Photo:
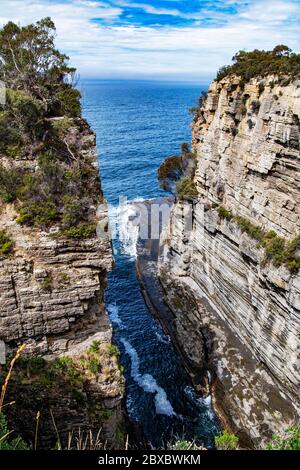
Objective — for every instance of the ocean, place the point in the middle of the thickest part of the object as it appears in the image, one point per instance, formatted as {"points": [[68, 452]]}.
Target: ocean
{"points": [[139, 124]]}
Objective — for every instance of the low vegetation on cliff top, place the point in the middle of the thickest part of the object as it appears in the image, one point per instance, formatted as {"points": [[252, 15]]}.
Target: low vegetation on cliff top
{"points": [[42, 136], [281, 62], [278, 250]]}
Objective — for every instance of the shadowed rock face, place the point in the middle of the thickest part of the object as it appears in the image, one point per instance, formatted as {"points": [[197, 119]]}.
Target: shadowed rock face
{"points": [[247, 146], [52, 299]]}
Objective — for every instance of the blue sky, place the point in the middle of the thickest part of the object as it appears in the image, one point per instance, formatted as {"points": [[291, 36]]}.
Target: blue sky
{"points": [[160, 39]]}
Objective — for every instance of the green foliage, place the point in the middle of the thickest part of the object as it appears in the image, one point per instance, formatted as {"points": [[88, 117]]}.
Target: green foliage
{"points": [[66, 367], [62, 125], [35, 125], [252, 230], [113, 350], [6, 440], [80, 231], [74, 209], [186, 188], [224, 213], [31, 62], [10, 180], [175, 168], [282, 252], [182, 444], [281, 62], [170, 171], [68, 102], [278, 250], [6, 243], [290, 440], [47, 283], [226, 441], [37, 213], [95, 347]]}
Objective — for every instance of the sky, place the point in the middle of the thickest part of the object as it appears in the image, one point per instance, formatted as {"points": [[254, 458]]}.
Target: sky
{"points": [[160, 39]]}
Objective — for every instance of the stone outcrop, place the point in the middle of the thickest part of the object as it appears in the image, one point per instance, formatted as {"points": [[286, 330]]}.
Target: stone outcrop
{"points": [[216, 281], [52, 299]]}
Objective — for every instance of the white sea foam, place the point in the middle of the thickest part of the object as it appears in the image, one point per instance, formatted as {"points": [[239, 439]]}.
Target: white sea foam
{"points": [[147, 382], [125, 223], [114, 315], [162, 337], [200, 401]]}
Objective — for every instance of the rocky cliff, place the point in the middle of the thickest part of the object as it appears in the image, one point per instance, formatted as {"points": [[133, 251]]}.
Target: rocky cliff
{"points": [[230, 257], [52, 299]]}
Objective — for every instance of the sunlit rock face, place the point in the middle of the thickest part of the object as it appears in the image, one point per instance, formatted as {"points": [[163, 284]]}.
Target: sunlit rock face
{"points": [[52, 300], [247, 144]]}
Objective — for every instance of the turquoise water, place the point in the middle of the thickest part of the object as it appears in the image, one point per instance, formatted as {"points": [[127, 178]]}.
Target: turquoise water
{"points": [[138, 124]]}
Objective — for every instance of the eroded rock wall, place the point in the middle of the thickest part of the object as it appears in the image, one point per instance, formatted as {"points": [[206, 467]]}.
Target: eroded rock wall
{"points": [[247, 145], [52, 299]]}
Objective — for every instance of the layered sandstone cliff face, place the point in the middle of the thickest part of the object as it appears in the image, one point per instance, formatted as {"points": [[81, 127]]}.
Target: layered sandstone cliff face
{"points": [[243, 313], [52, 299]]}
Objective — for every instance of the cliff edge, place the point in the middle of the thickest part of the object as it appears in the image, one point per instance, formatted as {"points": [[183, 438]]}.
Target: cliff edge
{"points": [[230, 255], [55, 252]]}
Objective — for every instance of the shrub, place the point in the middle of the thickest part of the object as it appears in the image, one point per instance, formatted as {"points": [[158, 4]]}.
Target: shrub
{"points": [[6, 243], [68, 102], [252, 230], [290, 440], [182, 444], [170, 171], [10, 181], [224, 213], [73, 210], [37, 213], [93, 364], [46, 283], [113, 350], [226, 441], [186, 188], [95, 347], [80, 231], [278, 250], [6, 442], [67, 368], [281, 61], [293, 266], [40, 88], [275, 249]]}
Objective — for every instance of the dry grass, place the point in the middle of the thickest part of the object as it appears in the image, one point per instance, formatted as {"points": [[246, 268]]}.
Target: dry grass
{"points": [[8, 376], [85, 440]]}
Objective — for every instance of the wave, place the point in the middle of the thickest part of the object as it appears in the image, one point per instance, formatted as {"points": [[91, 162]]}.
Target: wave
{"points": [[200, 402], [161, 336], [114, 315], [125, 225], [148, 383]]}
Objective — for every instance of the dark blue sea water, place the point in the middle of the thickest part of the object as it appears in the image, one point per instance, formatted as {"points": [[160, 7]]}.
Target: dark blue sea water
{"points": [[138, 124]]}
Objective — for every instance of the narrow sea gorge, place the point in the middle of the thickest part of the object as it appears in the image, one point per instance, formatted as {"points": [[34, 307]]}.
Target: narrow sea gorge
{"points": [[137, 125]]}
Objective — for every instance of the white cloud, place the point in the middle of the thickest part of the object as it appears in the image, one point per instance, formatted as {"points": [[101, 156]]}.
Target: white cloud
{"points": [[171, 52]]}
